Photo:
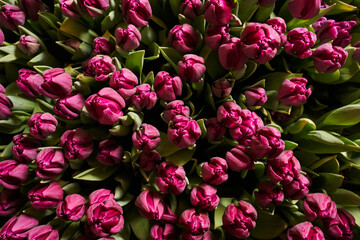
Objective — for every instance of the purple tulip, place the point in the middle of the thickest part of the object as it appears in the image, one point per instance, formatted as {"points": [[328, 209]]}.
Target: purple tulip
{"points": [[298, 188], [164, 232], [124, 81], [45, 196], [25, 148], [73, 43], [149, 161], [10, 202], [191, 8], [42, 125], [136, 12], [72, 208], [2, 37], [68, 9], [229, 114], [28, 45], [279, 25], [216, 36], [174, 108], [239, 220], [328, 58], [150, 204], [191, 68], [304, 9], [110, 152], [94, 8], [144, 97], [171, 178], [70, 107], [99, 67], [316, 25], [341, 227], [5, 105], [77, 144], [31, 8], [221, 88], [100, 196], [268, 194], [231, 54], [147, 138], [283, 168], [18, 227], [183, 132], [204, 197], [293, 92], [183, 38], [338, 32], [214, 171], [255, 96], [299, 42], [218, 12], [29, 82], [13, 174], [240, 158], [267, 142], [214, 130], [194, 223], [102, 46], [128, 38], [50, 163], [166, 87], [43, 232], [57, 83], [305, 230], [11, 17], [319, 205]]}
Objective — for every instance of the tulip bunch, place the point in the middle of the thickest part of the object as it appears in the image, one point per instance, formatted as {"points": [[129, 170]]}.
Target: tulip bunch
{"points": [[184, 119]]}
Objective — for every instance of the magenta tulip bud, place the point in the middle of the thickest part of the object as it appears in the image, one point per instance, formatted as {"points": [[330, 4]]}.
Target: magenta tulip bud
{"points": [[100, 196], [194, 223], [299, 42], [13, 174], [147, 138], [255, 96], [5, 106], [94, 8], [319, 205], [215, 131], [43, 232], [263, 3], [204, 197], [105, 106], [124, 81], [183, 38], [174, 108], [72, 208], [171, 178], [191, 8], [102, 46], [268, 194], [149, 161], [338, 32], [298, 188], [240, 219], [2, 37], [99, 67], [328, 58], [293, 92], [136, 12], [267, 142], [221, 88], [143, 97], [183, 132], [73, 43], [191, 68], [166, 87], [57, 83], [214, 171], [316, 25], [18, 227], [218, 12], [343, 37], [150, 204], [216, 36], [70, 107], [42, 125], [240, 158], [304, 9], [305, 230], [105, 218], [260, 42], [68, 9], [230, 114], [50, 163], [129, 38], [45, 196], [28, 45], [31, 8], [29, 82], [110, 152], [231, 55], [341, 227], [25, 148], [279, 25], [164, 232], [11, 17], [77, 144], [10, 202]]}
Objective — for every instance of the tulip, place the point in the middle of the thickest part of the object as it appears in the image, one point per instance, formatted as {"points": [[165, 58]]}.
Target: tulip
{"points": [[129, 38], [338, 32], [221, 88], [45, 196], [191, 68], [164, 232], [100, 196], [10, 202], [28, 45], [216, 36], [298, 188], [183, 38], [316, 25], [304, 9], [319, 205], [68, 9], [144, 97], [124, 81], [279, 25], [305, 230], [230, 114], [147, 138], [214, 171], [43, 232], [25, 148], [191, 8], [13, 174], [341, 227], [18, 227], [42, 125], [70, 107], [293, 92], [255, 96], [77, 144], [204, 197], [29, 82], [195, 223], [240, 158], [99, 67], [218, 12], [31, 8], [283, 168], [136, 12], [267, 142], [268, 194], [231, 54], [102, 46], [166, 87], [57, 83], [11, 17], [94, 8], [149, 161], [5, 106], [110, 152], [171, 178], [2, 37], [72, 208], [150, 204], [299, 42], [328, 58], [50, 163], [183, 132], [174, 108], [214, 130]]}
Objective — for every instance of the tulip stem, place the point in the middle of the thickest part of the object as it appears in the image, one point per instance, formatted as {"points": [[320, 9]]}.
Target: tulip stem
{"points": [[53, 147]]}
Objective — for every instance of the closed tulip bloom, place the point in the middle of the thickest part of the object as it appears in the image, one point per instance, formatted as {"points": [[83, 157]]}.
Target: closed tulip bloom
{"points": [[149, 161], [298, 188], [105, 106], [240, 158], [50, 163], [231, 55], [147, 138], [218, 12], [25, 148], [18, 227], [150, 204], [70, 107], [284, 168], [164, 232], [110, 152], [68, 9], [191, 8], [216, 36], [45, 196], [144, 97], [255, 96], [305, 231], [2, 37], [11, 17], [72, 208], [166, 87], [239, 220], [10, 202], [42, 125], [328, 58], [299, 42], [214, 171], [319, 205], [341, 227], [136, 12], [183, 38], [214, 130], [316, 25], [94, 8], [174, 108], [57, 83], [191, 68], [102, 46], [99, 67], [304, 9], [13, 174], [268, 194], [267, 142], [31, 8], [221, 88], [28, 45], [29, 82], [43, 232], [279, 25], [338, 32], [100, 195], [195, 223], [73, 43], [171, 178], [293, 92], [230, 114], [204, 197], [128, 38], [77, 144], [124, 81], [5, 106], [183, 132]]}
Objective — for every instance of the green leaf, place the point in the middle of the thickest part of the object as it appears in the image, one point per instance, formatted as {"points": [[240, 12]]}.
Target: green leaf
{"points": [[41, 68], [166, 148], [125, 199], [345, 116], [83, 52], [268, 226], [219, 212], [213, 66], [45, 58], [341, 8], [49, 19], [345, 198], [74, 28], [22, 103], [302, 125], [199, 23], [135, 62], [148, 35], [246, 9], [289, 145], [175, 6], [15, 124], [328, 181], [209, 96], [355, 212], [263, 13], [350, 68], [7, 152], [110, 21], [96, 174], [70, 231], [171, 55], [274, 80], [139, 224], [181, 157]]}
